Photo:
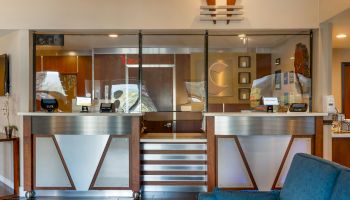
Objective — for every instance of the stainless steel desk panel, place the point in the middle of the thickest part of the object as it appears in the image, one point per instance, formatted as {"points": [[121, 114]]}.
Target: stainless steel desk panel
{"points": [[82, 125], [228, 125]]}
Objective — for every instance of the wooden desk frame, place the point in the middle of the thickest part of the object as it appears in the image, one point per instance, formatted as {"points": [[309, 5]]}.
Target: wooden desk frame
{"points": [[15, 156]]}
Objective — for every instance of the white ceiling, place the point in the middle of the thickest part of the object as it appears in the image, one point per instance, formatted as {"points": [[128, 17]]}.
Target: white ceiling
{"points": [[341, 25]]}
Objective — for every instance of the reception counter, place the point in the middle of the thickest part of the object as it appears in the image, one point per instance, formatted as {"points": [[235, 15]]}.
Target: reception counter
{"points": [[341, 144], [102, 153], [81, 152], [254, 150]]}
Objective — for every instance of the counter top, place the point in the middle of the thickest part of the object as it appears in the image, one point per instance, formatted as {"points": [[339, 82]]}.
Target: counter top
{"points": [[62, 114], [263, 114], [340, 135]]}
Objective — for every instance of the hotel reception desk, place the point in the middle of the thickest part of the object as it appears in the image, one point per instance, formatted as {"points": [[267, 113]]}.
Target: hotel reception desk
{"points": [[255, 150], [81, 152], [101, 154]]}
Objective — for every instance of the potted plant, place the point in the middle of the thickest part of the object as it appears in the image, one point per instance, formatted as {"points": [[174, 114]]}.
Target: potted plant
{"points": [[9, 129]]}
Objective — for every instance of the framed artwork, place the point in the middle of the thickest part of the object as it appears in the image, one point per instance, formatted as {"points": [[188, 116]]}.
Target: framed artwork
{"points": [[278, 61], [278, 79], [244, 77], [285, 78], [244, 61], [291, 77], [244, 93]]}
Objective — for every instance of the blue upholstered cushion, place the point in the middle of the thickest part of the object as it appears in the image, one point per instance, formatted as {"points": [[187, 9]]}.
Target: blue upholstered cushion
{"points": [[237, 195], [310, 178], [341, 190], [206, 196]]}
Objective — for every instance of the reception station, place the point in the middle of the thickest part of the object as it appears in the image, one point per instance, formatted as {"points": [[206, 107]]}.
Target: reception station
{"points": [[222, 117], [120, 99]]}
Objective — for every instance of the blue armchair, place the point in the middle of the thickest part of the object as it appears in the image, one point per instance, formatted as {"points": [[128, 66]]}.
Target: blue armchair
{"points": [[309, 178]]}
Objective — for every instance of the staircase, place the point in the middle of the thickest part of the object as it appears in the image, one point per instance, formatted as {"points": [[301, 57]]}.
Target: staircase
{"points": [[174, 166]]}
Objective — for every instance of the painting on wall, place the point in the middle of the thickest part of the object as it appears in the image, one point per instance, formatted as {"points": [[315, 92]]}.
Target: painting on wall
{"points": [[285, 78], [291, 77], [286, 98], [244, 77], [278, 80], [244, 93], [244, 61]]}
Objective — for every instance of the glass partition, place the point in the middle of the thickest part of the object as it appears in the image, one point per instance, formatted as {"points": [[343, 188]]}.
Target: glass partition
{"points": [[116, 75], [243, 69], [93, 66], [173, 72]]}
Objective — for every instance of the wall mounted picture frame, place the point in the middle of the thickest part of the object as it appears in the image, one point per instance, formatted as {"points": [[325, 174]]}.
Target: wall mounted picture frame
{"points": [[285, 78], [244, 78], [278, 61], [243, 61], [244, 94], [278, 79], [291, 77]]}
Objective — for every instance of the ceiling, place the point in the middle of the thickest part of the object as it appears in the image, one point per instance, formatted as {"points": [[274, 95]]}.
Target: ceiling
{"points": [[341, 25]]}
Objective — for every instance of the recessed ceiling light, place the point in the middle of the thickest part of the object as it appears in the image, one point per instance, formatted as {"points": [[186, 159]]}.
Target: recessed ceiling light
{"points": [[113, 35], [72, 53], [242, 36], [341, 36]]}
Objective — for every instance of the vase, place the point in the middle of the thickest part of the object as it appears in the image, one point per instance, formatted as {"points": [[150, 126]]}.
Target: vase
{"points": [[8, 131]]}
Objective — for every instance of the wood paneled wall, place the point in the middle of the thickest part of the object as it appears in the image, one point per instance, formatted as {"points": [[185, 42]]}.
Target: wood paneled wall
{"points": [[263, 65]]}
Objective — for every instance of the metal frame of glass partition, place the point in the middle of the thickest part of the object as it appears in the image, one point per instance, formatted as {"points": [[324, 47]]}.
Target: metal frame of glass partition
{"points": [[206, 46]]}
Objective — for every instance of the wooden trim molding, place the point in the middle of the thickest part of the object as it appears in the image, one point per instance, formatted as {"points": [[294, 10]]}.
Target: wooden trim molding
{"points": [[15, 165], [211, 154], [27, 154], [319, 137], [62, 161], [135, 154], [283, 162], [246, 164], [285, 156], [109, 141], [102, 159]]}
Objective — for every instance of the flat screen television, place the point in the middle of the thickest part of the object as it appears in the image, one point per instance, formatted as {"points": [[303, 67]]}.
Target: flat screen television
{"points": [[4, 75]]}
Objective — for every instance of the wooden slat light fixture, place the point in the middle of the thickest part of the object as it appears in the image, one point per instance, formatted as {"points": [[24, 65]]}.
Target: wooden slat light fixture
{"points": [[228, 12]]}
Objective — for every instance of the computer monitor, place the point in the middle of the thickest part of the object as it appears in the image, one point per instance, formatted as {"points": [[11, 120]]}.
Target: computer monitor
{"points": [[84, 102]]}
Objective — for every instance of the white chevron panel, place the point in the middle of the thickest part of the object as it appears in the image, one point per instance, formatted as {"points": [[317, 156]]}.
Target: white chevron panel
{"points": [[114, 171], [231, 169], [264, 155], [50, 171], [82, 154], [300, 145]]}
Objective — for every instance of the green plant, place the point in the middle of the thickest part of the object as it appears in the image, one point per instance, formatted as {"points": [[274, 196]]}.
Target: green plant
{"points": [[6, 112]]}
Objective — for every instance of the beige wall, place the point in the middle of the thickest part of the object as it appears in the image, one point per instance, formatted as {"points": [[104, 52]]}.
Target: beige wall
{"points": [[330, 8], [16, 45], [339, 56], [151, 14]]}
